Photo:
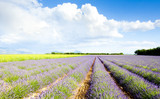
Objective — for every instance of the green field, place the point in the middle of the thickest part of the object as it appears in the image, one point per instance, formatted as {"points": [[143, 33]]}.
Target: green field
{"points": [[22, 57]]}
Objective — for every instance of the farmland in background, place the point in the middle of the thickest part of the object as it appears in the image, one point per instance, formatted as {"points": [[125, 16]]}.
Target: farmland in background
{"points": [[85, 77], [22, 57]]}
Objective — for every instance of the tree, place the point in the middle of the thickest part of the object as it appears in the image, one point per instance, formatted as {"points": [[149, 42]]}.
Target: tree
{"points": [[153, 51]]}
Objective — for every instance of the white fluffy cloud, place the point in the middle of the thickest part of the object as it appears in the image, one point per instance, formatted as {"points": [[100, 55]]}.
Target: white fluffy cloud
{"points": [[28, 20], [111, 46], [137, 25]]}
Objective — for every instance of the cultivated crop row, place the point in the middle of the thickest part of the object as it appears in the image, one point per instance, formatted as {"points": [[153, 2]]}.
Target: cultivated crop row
{"points": [[148, 74], [103, 77], [147, 62], [102, 85], [21, 78], [137, 86], [65, 88], [22, 57]]}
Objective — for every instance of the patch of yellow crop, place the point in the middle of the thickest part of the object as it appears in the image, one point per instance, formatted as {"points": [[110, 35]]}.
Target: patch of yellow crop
{"points": [[22, 57]]}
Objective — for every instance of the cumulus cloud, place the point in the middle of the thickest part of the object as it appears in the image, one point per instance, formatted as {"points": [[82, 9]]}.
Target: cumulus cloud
{"points": [[157, 23], [28, 21], [137, 25], [111, 46]]}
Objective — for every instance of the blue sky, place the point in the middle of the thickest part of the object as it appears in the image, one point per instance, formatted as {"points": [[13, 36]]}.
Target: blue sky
{"points": [[43, 26], [130, 10]]}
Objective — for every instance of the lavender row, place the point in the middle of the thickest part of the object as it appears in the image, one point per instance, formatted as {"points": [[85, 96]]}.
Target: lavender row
{"points": [[33, 67], [149, 75], [64, 89], [146, 62], [102, 84], [34, 82], [138, 87], [28, 84]]}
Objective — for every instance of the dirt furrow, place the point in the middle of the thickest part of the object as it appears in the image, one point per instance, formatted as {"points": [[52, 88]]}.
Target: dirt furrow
{"points": [[80, 92], [36, 94], [125, 93]]}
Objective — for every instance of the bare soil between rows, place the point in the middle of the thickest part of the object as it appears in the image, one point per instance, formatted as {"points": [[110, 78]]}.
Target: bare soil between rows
{"points": [[80, 92], [124, 92], [36, 94]]}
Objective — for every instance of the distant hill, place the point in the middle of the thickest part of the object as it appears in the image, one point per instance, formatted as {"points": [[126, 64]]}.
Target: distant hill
{"points": [[76, 51]]}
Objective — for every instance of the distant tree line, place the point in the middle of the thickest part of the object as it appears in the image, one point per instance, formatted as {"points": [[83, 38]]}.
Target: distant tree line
{"points": [[105, 53], [71, 53], [153, 51]]}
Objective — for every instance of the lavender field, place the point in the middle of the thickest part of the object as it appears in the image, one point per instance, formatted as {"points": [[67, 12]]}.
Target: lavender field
{"points": [[84, 77]]}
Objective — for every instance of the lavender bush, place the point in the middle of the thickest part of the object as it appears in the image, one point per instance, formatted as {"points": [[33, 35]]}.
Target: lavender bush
{"points": [[148, 74], [28, 76], [102, 84], [138, 87], [146, 62], [65, 87]]}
